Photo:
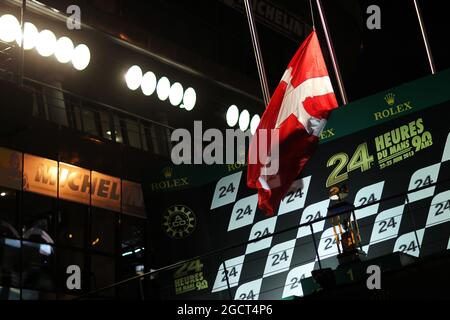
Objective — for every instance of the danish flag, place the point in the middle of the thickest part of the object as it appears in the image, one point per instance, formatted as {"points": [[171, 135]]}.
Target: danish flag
{"points": [[298, 112]]}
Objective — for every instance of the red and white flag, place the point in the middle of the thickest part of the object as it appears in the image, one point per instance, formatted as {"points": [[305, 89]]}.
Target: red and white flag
{"points": [[298, 112]]}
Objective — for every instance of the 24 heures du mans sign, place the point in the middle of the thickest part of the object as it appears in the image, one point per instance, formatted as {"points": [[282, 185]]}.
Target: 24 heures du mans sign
{"points": [[387, 144]]}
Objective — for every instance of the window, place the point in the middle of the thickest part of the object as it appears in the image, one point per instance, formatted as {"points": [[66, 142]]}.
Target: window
{"points": [[9, 239], [9, 293], [9, 205], [132, 246], [38, 218], [72, 224], [89, 122], [102, 274], [103, 230], [133, 134], [38, 266], [132, 259]]}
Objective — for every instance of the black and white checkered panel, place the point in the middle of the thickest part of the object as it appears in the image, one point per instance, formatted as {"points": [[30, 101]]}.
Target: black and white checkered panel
{"points": [[273, 268]]}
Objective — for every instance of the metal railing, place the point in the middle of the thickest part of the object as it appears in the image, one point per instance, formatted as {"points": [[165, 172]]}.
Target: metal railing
{"points": [[95, 118], [150, 278], [99, 119]]}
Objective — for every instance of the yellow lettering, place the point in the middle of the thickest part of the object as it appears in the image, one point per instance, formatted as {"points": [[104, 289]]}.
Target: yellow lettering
{"points": [[420, 127], [378, 116], [379, 143]]}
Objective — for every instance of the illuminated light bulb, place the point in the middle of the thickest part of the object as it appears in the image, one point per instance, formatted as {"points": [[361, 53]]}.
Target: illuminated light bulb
{"points": [[81, 57], [189, 99], [64, 50], [46, 43], [163, 89], [31, 36], [9, 28], [134, 77], [148, 83], [254, 124], [232, 116], [244, 120], [176, 94]]}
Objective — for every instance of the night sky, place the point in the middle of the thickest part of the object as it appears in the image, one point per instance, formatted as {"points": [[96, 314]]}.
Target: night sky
{"points": [[371, 60]]}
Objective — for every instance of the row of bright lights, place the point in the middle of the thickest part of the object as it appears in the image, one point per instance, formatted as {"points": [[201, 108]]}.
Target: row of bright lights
{"points": [[64, 50], [132, 251], [45, 42], [233, 118], [148, 83]]}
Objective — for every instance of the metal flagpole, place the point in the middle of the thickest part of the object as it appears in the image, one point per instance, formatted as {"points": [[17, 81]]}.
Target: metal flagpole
{"points": [[257, 50], [332, 53], [425, 37], [22, 43]]}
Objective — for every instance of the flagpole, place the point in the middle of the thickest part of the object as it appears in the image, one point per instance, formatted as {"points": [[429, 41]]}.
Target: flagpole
{"points": [[332, 53], [425, 37], [257, 50]]}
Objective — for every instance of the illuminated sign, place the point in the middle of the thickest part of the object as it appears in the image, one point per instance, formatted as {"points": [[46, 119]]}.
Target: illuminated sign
{"points": [[274, 17], [40, 175], [105, 191], [10, 169]]}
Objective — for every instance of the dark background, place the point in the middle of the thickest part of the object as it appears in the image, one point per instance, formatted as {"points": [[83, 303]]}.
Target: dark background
{"points": [[371, 60]]}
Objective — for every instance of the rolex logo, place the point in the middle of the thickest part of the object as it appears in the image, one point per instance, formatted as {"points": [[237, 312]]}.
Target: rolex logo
{"points": [[390, 99], [168, 172]]}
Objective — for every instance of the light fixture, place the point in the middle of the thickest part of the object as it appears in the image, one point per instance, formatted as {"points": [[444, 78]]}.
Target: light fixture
{"points": [[254, 123], [134, 77], [148, 84], [9, 28], [127, 253], [64, 50], [31, 36], [46, 43], [189, 99], [232, 115], [39, 3], [244, 120], [163, 89], [3, 194], [176, 94], [81, 57]]}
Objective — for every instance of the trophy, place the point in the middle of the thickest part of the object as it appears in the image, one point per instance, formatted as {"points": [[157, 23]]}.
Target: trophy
{"points": [[345, 226]]}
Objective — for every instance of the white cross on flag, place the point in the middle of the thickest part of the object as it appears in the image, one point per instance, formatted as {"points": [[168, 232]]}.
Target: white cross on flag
{"points": [[298, 111]]}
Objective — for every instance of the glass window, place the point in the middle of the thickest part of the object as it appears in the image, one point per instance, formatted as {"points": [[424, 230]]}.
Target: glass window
{"points": [[37, 295], [152, 142], [103, 230], [73, 113], [9, 204], [9, 240], [9, 293], [38, 218], [89, 123], [72, 224], [132, 257], [133, 231], [38, 266], [102, 274], [132, 246], [133, 134]]}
